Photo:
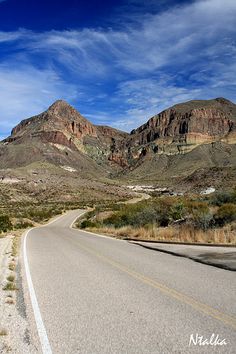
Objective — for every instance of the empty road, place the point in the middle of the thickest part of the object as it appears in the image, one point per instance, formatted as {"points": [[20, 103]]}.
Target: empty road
{"points": [[95, 294]]}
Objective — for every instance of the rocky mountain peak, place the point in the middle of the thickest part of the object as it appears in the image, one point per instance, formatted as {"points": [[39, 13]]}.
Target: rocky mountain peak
{"points": [[61, 105], [223, 101], [63, 110]]}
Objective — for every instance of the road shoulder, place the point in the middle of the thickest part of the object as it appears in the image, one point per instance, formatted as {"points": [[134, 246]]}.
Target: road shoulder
{"points": [[15, 329], [221, 257]]}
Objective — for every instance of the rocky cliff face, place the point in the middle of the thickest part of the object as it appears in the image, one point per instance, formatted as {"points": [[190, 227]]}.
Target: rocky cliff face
{"points": [[62, 126], [180, 129], [59, 117]]}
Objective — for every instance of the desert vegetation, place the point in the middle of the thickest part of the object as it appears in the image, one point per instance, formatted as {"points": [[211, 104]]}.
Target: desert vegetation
{"points": [[17, 216], [208, 219], [5, 223]]}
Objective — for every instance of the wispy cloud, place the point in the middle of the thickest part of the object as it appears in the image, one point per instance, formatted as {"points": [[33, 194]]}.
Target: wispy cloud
{"points": [[13, 36], [26, 91], [123, 76]]}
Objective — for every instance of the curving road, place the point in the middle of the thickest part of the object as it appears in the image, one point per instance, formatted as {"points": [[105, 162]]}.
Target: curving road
{"points": [[94, 294]]}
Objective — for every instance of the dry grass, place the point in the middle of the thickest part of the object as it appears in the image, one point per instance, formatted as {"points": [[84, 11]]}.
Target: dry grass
{"points": [[9, 301], [11, 278], [12, 266], [189, 234], [174, 234], [15, 246], [3, 332], [10, 286]]}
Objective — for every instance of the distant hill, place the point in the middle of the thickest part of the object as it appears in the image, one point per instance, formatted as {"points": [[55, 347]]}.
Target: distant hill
{"points": [[189, 139]]}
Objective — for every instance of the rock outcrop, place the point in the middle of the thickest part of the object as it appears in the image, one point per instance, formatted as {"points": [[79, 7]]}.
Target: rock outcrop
{"points": [[63, 126], [180, 129]]}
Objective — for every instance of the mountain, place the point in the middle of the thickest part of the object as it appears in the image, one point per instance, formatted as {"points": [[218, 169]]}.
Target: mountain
{"points": [[178, 147], [60, 135], [180, 129]]}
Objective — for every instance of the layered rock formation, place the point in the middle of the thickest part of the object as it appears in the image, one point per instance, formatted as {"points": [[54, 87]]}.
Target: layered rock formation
{"points": [[180, 129], [61, 117], [63, 126]]}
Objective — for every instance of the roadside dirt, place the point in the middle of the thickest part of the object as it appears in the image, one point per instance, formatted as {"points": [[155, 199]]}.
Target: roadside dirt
{"points": [[14, 328]]}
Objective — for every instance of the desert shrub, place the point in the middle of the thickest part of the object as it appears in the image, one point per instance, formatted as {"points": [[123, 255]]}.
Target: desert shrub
{"points": [[200, 215], [22, 224], [146, 216], [88, 223], [170, 209], [225, 214], [118, 219], [221, 198], [178, 211], [5, 223], [42, 214], [158, 211], [130, 214], [163, 208]]}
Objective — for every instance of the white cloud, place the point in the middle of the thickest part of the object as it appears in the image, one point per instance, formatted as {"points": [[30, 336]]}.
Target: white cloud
{"points": [[186, 52], [26, 91], [178, 37]]}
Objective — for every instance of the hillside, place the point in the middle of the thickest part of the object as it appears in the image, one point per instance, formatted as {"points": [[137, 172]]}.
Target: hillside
{"points": [[182, 128], [173, 149], [61, 136]]}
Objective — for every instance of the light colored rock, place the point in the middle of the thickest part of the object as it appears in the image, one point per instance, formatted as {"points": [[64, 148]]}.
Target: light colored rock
{"points": [[208, 190], [69, 169]]}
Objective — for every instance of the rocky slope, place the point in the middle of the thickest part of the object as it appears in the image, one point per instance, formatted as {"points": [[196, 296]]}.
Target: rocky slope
{"points": [[180, 129], [171, 146], [60, 135]]}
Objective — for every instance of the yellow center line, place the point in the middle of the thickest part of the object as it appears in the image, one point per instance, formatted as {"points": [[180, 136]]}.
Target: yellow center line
{"points": [[199, 306]]}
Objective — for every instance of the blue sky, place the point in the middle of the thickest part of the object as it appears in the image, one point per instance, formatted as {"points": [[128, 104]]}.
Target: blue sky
{"points": [[118, 62]]}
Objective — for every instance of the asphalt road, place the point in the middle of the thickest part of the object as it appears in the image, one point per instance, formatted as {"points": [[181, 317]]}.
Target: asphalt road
{"points": [[101, 295]]}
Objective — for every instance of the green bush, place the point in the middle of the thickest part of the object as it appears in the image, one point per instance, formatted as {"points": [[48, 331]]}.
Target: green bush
{"points": [[225, 214], [88, 223], [200, 215], [177, 211], [162, 211], [42, 213], [130, 214], [5, 223], [22, 224], [157, 211], [221, 198]]}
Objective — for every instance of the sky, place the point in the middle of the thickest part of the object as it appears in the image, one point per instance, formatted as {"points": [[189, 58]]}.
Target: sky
{"points": [[118, 62]]}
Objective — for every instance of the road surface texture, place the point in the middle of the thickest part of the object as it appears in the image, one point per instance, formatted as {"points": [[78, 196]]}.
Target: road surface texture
{"points": [[101, 295]]}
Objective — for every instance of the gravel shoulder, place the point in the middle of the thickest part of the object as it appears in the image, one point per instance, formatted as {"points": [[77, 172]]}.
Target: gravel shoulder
{"points": [[15, 332]]}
